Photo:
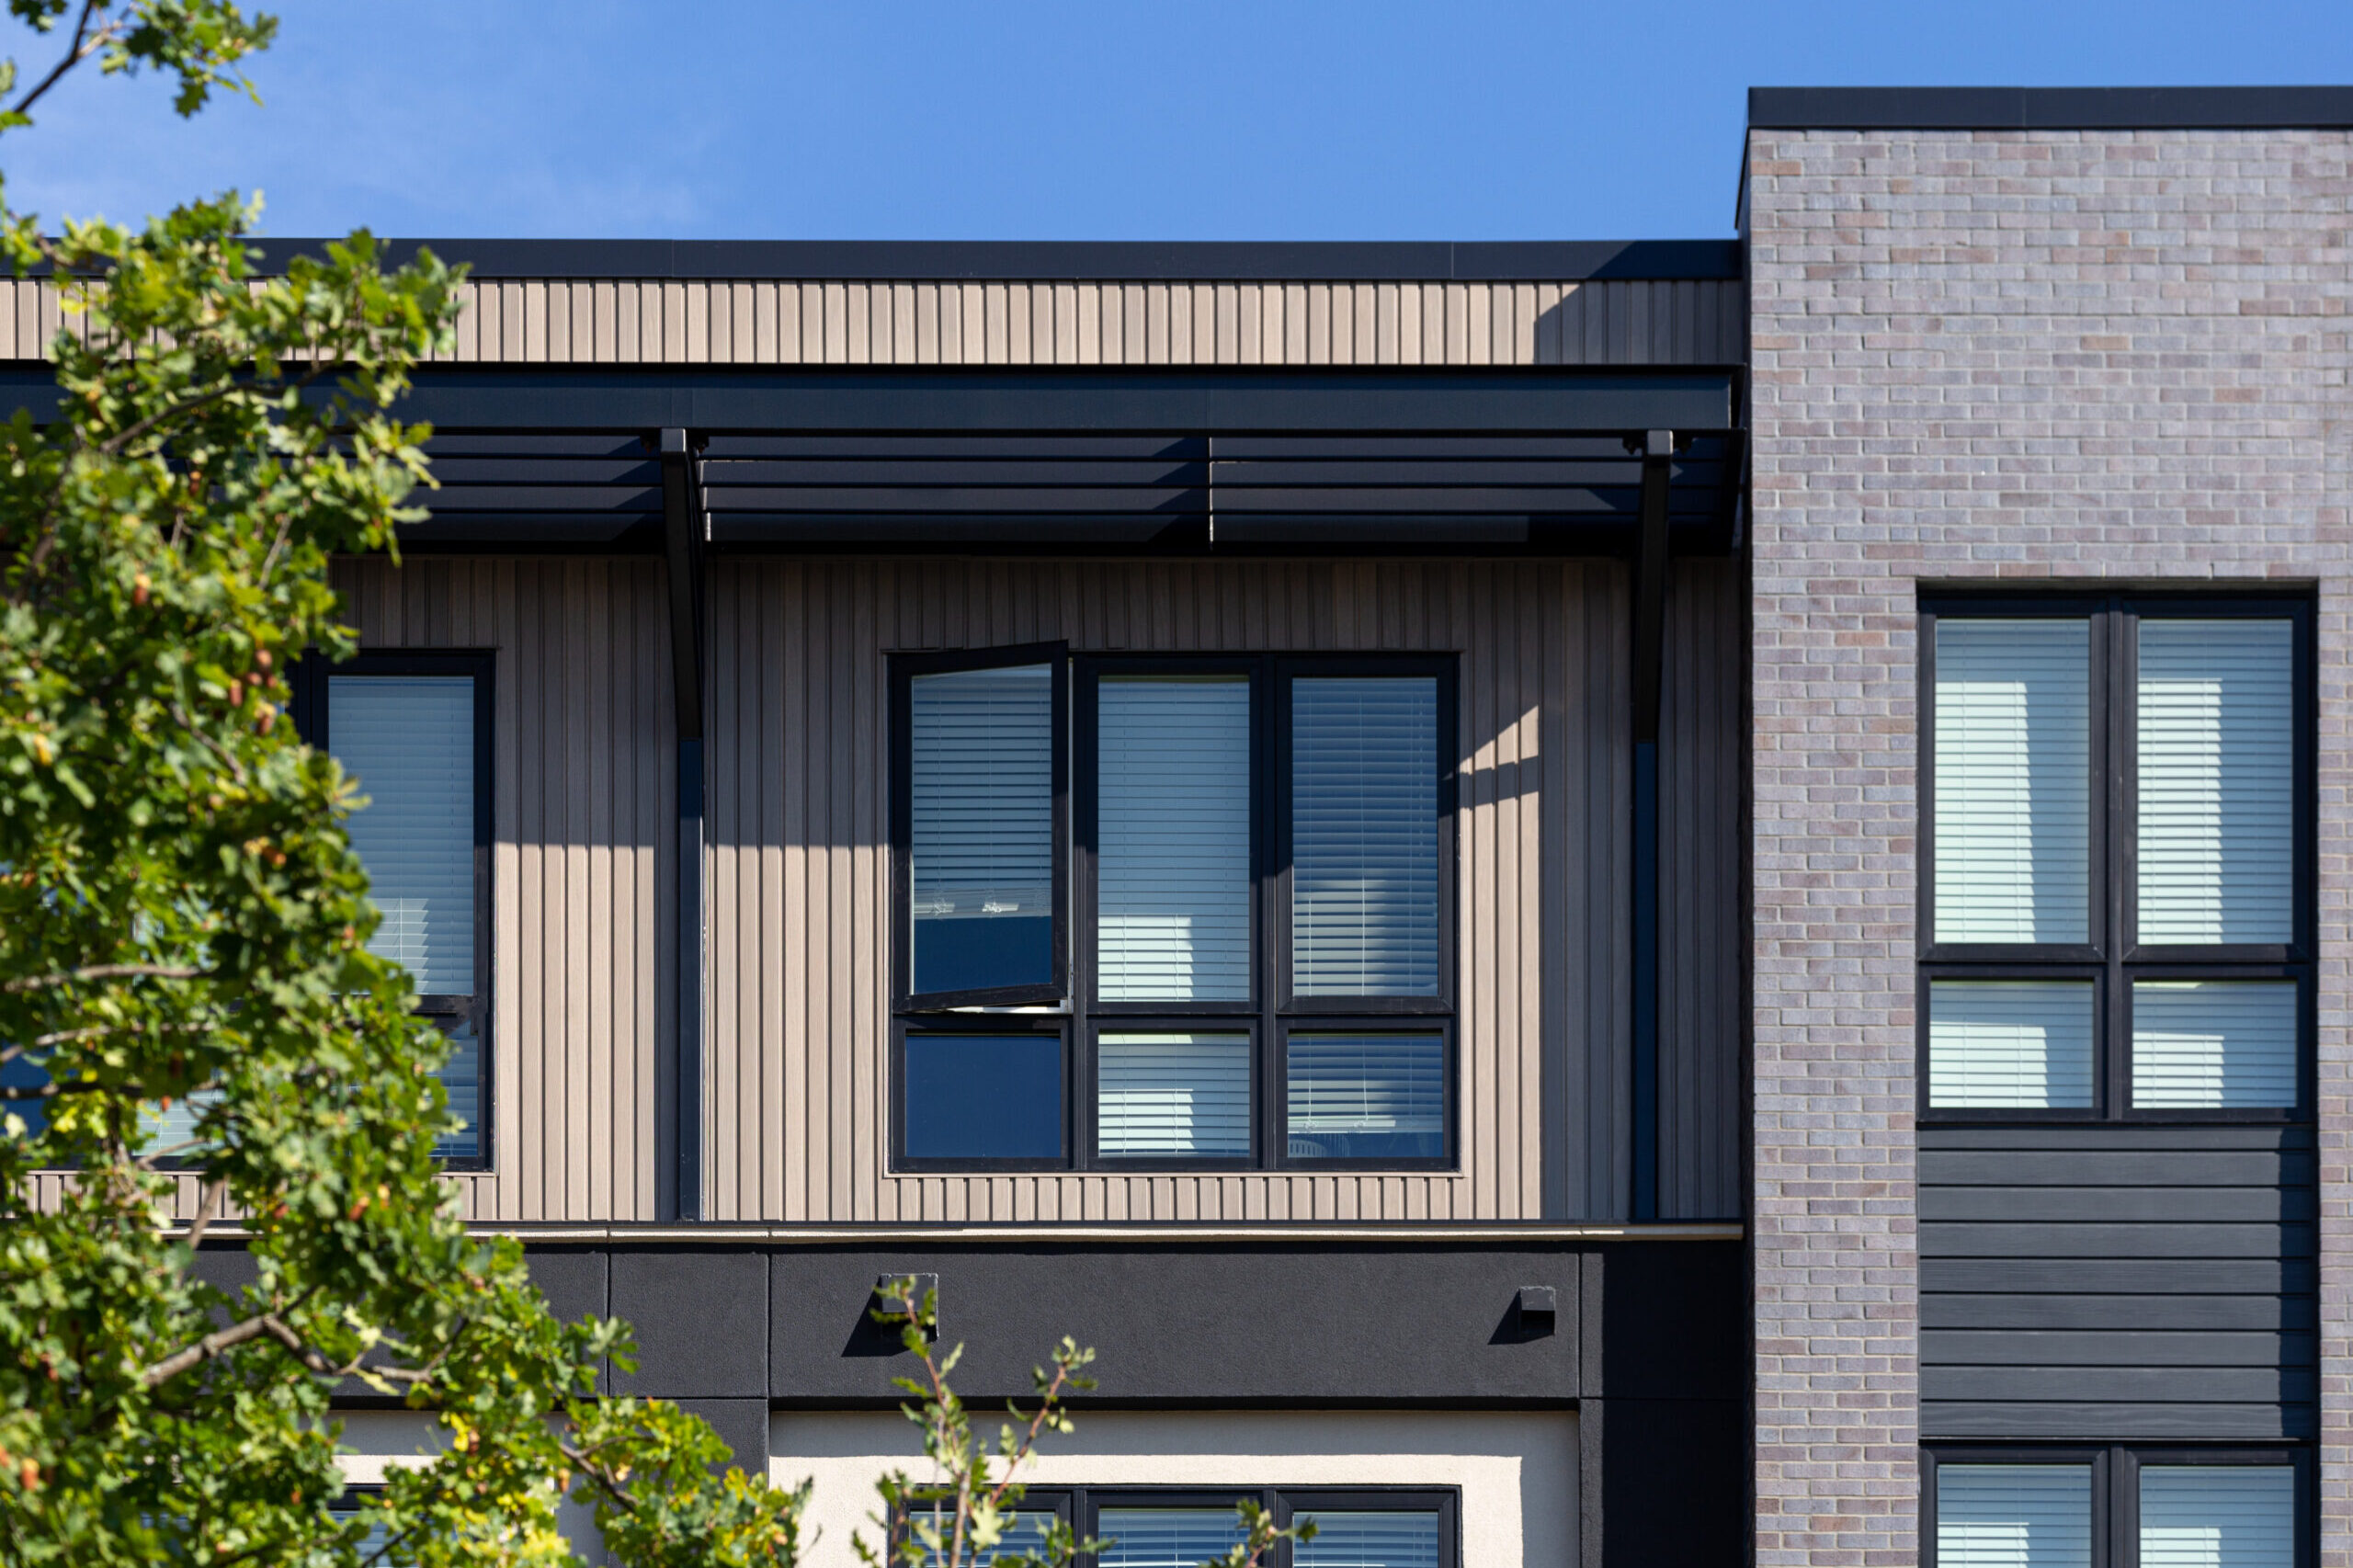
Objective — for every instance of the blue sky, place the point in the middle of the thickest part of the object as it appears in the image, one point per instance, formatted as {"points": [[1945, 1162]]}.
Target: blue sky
{"points": [[1098, 120]]}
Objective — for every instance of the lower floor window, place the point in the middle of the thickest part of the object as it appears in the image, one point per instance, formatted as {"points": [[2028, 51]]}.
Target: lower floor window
{"points": [[1147, 1529], [2157, 1505]]}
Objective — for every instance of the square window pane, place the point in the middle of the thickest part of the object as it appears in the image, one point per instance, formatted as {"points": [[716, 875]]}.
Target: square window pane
{"points": [[2214, 1044], [2013, 780], [1367, 1539], [2010, 1044], [409, 740], [1173, 838], [1164, 1538], [2014, 1515], [1365, 1095], [981, 790], [1364, 837], [2218, 1516], [1171, 1095], [2217, 780], [971, 1096]]}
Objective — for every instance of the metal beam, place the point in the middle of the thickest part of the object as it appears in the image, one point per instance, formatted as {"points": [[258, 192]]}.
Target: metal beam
{"points": [[684, 528], [1650, 660]]}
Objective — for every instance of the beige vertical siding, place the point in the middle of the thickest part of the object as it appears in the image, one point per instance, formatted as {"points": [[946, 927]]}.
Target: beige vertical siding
{"points": [[1622, 322], [1701, 864], [800, 889]]}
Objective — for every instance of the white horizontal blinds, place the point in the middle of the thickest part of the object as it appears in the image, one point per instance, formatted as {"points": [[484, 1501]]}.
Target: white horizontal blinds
{"points": [[2014, 1515], [1173, 839], [1352, 1094], [1024, 1536], [2218, 1517], [2019, 1044], [1173, 1095], [2013, 780], [168, 1127], [1369, 1541], [981, 853], [2214, 1044], [409, 740], [1164, 1538], [2217, 781], [1364, 836], [462, 1079]]}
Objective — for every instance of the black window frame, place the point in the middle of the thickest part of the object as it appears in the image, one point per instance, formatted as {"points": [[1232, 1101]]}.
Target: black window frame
{"points": [[2113, 958], [309, 712], [2115, 1486], [1082, 1507], [903, 669], [1074, 1010]]}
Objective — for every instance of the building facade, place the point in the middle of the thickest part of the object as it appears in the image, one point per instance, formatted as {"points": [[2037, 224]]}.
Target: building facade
{"points": [[1653, 902]]}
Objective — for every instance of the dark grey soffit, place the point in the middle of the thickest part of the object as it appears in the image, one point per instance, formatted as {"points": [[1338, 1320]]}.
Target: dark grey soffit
{"points": [[2049, 108], [1029, 261]]}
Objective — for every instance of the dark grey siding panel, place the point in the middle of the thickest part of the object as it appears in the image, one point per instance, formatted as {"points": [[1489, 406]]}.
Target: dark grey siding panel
{"points": [[2118, 1282], [1703, 745]]}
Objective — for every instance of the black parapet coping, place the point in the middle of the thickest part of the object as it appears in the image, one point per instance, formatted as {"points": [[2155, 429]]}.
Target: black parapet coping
{"points": [[2316, 108], [1091, 261]]}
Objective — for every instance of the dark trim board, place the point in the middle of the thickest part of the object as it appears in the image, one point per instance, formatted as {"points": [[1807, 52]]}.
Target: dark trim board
{"points": [[2049, 108]]}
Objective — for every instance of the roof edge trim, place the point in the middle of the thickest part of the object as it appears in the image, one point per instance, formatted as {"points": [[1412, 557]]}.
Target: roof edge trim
{"points": [[2314, 107]]}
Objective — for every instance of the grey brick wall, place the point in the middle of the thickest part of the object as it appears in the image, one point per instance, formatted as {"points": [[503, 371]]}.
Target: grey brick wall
{"points": [[2015, 355]]}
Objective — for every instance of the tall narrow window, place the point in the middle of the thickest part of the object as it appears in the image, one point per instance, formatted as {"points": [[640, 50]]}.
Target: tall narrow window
{"points": [[410, 728], [1364, 836], [983, 893], [1173, 868]]}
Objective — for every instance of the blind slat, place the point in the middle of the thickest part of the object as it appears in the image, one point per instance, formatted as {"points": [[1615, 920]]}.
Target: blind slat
{"points": [[2217, 781], [2218, 1517], [1174, 839], [1172, 1094], [2013, 780], [1364, 837], [981, 802], [2014, 1515], [2015, 1043]]}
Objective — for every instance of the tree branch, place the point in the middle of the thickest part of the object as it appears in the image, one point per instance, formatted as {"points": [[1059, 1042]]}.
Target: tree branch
{"points": [[206, 1349], [85, 44], [101, 971]]}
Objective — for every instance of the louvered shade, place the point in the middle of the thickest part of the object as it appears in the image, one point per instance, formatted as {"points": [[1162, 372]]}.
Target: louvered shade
{"points": [[981, 851], [2013, 780], [1365, 1095], [971, 1096], [1173, 1095], [2217, 781], [1173, 867], [2218, 1517], [1370, 1541], [2014, 1515], [2214, 1044], [1164, 1538], [1364, 837], [410, 742], [2009, 1044]]}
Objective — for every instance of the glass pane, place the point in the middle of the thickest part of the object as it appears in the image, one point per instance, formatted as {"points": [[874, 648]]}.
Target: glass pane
{"points": [[1025, 1535], [409, 740], [2209, 1044], [2217, 766], [2014, 1515], [2218, 1517], [981, 801], [1173, 871], [983, 1096], [1364, 837], [2013, 780], [461, 1077], [1370, 1541], [1164, 1538], [1172, 1094], [2010, 1043], [170, 1127], [1366, 1096]]}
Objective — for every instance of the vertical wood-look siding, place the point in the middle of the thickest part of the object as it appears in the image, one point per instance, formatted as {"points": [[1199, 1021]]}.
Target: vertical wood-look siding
{"points": [[769, 321], [798, 1105], [1702, 738]]}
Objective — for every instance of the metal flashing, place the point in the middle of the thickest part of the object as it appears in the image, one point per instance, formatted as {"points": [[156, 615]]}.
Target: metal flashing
{"points": [[2050, 109]]}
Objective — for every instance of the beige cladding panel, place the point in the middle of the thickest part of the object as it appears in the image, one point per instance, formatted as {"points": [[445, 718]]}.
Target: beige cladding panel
{"points": [[559, 321], [800, 886]]}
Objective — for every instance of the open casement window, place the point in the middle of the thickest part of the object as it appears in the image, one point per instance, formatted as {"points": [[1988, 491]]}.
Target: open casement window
{"points": [[2153, 1506], [1262, 947], [414, 729], [2116, 907]]}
